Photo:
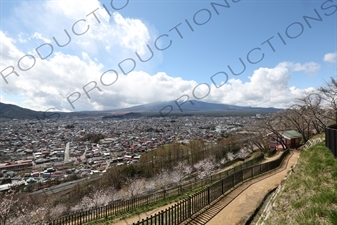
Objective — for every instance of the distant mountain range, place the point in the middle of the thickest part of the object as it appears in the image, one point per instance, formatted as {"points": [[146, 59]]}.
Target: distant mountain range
{"points": [[10, 111], [168, 108], [16, 112], [191, 106]]}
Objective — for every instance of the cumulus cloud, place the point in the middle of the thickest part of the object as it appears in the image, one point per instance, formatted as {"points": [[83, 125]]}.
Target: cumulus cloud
{"points": [[310, 67], [330, 57], [65, 72], [53, 80], [131, 33], [67, 69], [9, 52], [108, 32], [267, 87]]}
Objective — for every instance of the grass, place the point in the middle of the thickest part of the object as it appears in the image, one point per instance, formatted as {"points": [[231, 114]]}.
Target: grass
{"points": [[155, 205], [144, 209], [310, 193], [167, 201]]}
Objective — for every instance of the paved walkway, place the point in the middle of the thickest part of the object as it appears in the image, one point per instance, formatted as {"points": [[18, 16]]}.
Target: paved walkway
{"points": [[240, 203], [236, 207], [136, 218]]}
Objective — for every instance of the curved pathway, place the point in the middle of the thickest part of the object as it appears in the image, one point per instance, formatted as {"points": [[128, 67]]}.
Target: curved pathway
{"points": [[237, 206]]}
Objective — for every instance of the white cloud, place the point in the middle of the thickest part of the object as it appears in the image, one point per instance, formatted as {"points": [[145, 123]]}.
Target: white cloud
{"points": [[132, 33], [40, 37], [51, 81], [310, 67], [267, 87], [330, 57], [9, 52], [105, 35]]}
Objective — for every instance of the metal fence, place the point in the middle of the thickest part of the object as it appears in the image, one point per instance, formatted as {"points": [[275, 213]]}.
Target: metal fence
{"points": [[118, 208], [331, 138], [218, 176], [184, 209]]}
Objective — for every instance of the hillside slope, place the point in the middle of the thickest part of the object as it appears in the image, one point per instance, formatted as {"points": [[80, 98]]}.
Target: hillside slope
{"points": [[309, 195], [12, 111]]}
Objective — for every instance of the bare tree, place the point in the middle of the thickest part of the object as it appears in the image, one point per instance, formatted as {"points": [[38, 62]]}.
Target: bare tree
{"points": [[163, 179], [274, 124], [329, 94], [7, 205], [27, 213], [256, 136], [181, 170], [135, 185], [301, 120], [315, 105]]}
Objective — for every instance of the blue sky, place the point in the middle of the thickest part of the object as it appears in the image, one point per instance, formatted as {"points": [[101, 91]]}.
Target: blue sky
{"points": [[284, 53]]}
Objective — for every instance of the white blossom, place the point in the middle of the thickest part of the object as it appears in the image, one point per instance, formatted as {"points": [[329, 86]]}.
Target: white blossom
{"points": [[231, 156], [205, 167], [136, 186]]}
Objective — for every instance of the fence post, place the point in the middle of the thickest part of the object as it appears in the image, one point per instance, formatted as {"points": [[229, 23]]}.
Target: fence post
{"points": [[208, 195], [222, 186], [161, 217], [189, 206]]}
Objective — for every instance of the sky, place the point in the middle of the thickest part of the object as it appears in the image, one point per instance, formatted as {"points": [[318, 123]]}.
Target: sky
{"points": [[82, 55]]}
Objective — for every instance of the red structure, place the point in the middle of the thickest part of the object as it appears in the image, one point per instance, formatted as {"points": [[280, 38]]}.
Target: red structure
{"points": [[284, 139]]}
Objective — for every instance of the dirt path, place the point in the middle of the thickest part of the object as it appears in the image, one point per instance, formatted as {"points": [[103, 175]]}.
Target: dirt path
{"points": [[238, 207]]}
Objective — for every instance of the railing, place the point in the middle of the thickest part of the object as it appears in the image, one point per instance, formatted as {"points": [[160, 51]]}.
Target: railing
{"points": [[331, 138], [218, 176], [184, 209], [121, 207]]}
